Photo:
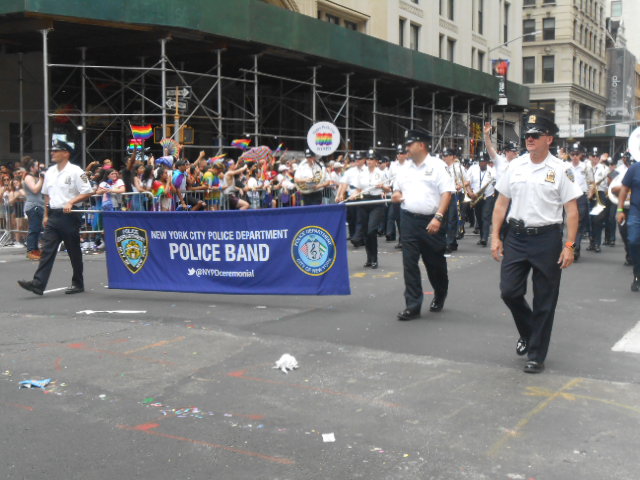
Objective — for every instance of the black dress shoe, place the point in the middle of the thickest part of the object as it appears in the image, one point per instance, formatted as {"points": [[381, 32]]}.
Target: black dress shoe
{"points": [[533, 367], [476, 231], [635, 286], [367, 265], [447, 250], [590, 248], [597, 249], [27, 285], [522, 346], [437, 303], [374, 265], [74, 289], [398, 246], [407, 314], [391, 238], [628, 262], [482, 242], [453, 247]]}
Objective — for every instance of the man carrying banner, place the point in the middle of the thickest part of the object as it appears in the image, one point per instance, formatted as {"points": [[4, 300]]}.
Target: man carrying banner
{"points": [[65, 185], [424, 189]]}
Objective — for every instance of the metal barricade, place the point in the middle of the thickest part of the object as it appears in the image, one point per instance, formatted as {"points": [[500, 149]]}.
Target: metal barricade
{"points": [[14, 222]]}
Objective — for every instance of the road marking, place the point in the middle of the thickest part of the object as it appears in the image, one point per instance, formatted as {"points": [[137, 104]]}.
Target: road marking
{"points": [[149, 429], [630, 342], [161, 343], [515, 432]]}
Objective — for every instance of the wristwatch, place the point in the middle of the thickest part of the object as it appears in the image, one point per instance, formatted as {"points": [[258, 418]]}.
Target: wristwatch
{"points": [[438, 216], [571, 245]]}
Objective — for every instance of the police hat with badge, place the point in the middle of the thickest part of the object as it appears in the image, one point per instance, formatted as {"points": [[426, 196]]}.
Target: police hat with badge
{"points": [[58, 145], [511, 147], [539, 122], [373, 154], [359, 155], [309, 154], [413, 136], [482, 156], [576, 148], [447, 152], [401, 149]]}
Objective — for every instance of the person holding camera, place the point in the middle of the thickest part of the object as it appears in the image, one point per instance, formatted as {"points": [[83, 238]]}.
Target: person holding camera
{"points": [[34, 207]]}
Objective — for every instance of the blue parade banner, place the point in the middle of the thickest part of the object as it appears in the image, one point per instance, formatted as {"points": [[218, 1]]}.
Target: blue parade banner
{"points": [[285, 251]]}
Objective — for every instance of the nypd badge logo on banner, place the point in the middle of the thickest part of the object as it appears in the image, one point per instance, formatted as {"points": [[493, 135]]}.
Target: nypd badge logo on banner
{"points": [[313, 250], [132, 245]]}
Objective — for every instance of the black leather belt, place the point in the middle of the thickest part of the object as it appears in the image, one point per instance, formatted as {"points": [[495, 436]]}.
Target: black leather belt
{"points": [[518, 228], [372, 197], [417, 215]]}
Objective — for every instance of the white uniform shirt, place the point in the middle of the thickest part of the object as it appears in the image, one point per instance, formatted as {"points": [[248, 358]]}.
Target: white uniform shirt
{"points": [[64, 185], [459, 174], [479, 178], [313, 174], [501, 164], [600, 172], [579, 175], [422, 186], [369, 180], [350, 178], [537, 191]]}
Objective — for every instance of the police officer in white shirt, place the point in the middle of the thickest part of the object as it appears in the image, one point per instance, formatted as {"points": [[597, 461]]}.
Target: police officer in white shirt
{"points": [[371, 185], [393, 217], [348, 190], [597, 198], [578, 171], [311, 178], [480, 189], [65, 186], [424, 189], [537, 185], [500, 161]]}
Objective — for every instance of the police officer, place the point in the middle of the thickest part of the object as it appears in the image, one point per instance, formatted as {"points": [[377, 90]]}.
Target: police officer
{"points": [[579, 172], [537, 185], [347, 191], [631, 185], [311, 178], [500, 161], [65, 186], [480, 188], [424, 189]]}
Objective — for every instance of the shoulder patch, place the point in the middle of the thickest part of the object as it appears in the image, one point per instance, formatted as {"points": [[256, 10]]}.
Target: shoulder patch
{"points": [[570, 175]]}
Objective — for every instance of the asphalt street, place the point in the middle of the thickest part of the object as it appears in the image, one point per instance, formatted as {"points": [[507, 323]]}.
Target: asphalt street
{"points": [[184, 388]]}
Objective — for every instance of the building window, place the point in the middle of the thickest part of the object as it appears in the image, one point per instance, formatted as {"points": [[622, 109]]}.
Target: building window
{"points": [[450, 9], [441, 7], [505, 26], [332, 19], [528, 69], [480, 17], [548, 68], [549, 29], [529, 3], [440, 46], [480, 61], [528, 27], [548, 105], [415, 1], [616, 8], [548, 1], [401, 25], [473, 57], [14, 138], [451, 49], [586, 116], [351, 25], [414, 39]]}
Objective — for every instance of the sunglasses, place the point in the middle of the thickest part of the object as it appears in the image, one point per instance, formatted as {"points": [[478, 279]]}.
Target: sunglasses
{"points": [[535, 136]]}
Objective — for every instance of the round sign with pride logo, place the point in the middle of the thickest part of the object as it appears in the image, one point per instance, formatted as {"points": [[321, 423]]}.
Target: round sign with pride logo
{"points": [[323, 138]]}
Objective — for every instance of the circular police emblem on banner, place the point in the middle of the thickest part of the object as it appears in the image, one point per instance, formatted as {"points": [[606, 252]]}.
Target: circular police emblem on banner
{"points": [[313, 250], [133, 247]]}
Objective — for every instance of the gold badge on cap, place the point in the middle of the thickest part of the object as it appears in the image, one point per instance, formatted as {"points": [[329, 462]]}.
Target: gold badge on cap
{"points": [[551, 176], [532, 119]]}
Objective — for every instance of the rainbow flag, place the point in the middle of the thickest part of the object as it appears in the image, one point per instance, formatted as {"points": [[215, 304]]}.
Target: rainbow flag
{"points": [[142, 132], [279, 148], [216, 159], [324, 138], [136, 143], [242, 143]]}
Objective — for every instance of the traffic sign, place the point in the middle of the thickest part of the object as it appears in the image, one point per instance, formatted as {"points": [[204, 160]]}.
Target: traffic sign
{"points": [[171, 103], [182, 92]]}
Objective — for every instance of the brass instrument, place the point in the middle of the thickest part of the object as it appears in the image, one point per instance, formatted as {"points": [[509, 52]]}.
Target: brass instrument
{"points": [[614, 197], [480, 194], [319, 176]]}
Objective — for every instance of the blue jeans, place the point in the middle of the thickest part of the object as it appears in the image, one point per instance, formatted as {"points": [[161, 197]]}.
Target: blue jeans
{"points": [[35, 216], [633, 232]]}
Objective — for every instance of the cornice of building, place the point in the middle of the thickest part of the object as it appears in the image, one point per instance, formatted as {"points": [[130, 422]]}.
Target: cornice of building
{"points": [[452, 27], [412, 9]]}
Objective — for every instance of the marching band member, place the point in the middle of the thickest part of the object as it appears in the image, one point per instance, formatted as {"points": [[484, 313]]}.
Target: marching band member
{"points": [[311, 178], [424, 189], [393, 221], [597, 198], [371, 184], [578, 170], [481, 191], [457, 174], [536, 186], [347, 190], [631, 182], [500, 161]]}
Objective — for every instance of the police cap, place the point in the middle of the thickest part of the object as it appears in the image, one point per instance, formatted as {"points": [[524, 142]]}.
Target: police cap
{"points": [[373, 153], [541, 122], [512, 147], [411, 136], [447, 152], [308, 153], [59, 145]]}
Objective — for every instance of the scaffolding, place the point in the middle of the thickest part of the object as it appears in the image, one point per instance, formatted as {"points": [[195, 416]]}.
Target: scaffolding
{"points": [[260, 96]]}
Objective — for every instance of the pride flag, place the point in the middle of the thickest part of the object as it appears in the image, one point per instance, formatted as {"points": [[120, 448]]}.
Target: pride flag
{"points": [[142, 131], [217, 158], [324, 138], [242, 143], [135, 143]]}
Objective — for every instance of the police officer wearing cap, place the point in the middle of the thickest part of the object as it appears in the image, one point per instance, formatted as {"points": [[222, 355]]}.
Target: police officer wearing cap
{"points": [[393, 219], [631, 218], [480, 188], [454, 169], [536, 186], [371, 185], [578, 171], [311, 178], [347, 191], [500, 161], [65, 186], [424, 189]]}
